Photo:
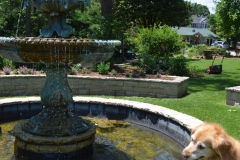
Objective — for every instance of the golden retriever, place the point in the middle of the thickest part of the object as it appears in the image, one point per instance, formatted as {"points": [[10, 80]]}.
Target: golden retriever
{"points": [[209, 141]]}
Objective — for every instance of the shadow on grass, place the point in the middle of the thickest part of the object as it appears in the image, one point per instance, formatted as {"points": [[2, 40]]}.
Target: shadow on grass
{"points": [[214, 82]]}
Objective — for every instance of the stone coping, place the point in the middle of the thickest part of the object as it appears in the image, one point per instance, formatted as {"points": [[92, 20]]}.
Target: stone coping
{"points": [[176, 79], [233, 96], [235, 89], [185, 120]]}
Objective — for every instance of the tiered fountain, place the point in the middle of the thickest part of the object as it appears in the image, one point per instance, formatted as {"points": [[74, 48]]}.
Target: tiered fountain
{"points": [[55, 133]]}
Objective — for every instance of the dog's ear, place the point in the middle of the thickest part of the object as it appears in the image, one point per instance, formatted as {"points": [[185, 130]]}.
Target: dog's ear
{"points": [[221, 145], [194, 129]]}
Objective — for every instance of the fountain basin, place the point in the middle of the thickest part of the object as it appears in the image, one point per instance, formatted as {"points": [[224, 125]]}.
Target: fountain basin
{"points": [[172, 123], [57, 50]]}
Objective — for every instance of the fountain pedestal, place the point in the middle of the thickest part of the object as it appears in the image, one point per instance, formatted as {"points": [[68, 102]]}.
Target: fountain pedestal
{"points": [[75, 147], [55, 132], [55, 119]]}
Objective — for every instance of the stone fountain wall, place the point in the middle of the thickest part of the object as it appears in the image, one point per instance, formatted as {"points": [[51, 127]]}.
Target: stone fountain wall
{"points": [[171, 123], [29, 85]]}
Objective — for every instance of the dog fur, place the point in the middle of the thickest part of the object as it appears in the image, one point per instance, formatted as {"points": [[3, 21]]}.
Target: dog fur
{"points": [[209, 141]]}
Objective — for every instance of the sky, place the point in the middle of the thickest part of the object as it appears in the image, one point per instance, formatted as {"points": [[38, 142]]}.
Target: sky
{"points": [[208, 3]]}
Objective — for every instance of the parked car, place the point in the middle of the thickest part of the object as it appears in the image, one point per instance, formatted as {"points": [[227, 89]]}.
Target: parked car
{"points": [[221, 44], [130, 54]]}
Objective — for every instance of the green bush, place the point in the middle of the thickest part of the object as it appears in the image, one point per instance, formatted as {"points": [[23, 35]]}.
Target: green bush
{"points": [[179, 66], [103, 68], [157, 41], [200, 48], [5, 62], [155, 46]]}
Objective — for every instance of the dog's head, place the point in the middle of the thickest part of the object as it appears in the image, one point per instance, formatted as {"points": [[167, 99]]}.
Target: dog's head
{"points": [[207, 141]]}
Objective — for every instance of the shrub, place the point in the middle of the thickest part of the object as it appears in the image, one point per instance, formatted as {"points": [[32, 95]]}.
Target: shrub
{"points": [[114, 72], [179, 66], [22, 70], [155, 46], [7, 70], [73, 71], [200, 48], [25, 70], [15, 71], [103, 68], [142, 72], [85, 71], [157, 41], [31, 71], [5, 62]]}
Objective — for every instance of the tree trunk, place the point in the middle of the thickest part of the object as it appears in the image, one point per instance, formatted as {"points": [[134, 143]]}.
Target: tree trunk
{"points": [[106, 8], [28, 21]]}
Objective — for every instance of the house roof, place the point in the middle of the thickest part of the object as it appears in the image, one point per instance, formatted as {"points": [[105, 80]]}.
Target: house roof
{"points": [[188, 31], [199, 19]]}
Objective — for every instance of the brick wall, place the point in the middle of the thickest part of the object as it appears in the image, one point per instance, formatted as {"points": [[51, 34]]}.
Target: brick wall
{"points": [[28, 85]]}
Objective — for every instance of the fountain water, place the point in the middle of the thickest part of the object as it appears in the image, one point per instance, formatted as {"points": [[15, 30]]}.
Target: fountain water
{"points": [[55, 133]]}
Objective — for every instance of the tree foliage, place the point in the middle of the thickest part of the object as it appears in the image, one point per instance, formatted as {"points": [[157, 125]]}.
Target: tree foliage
{"points": [[212, 22], [9, 10], [147, 13], [228, 17], [199, 9]]}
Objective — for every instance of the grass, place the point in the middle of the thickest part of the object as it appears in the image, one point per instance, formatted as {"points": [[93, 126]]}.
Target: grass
{"points": [[206, 99]]}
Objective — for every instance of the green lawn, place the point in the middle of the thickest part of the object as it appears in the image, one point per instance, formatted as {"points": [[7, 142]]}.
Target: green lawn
{"points": [[206, 99]]}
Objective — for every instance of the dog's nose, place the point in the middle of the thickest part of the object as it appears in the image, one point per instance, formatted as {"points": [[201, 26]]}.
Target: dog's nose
{"points": [[185, 155]]}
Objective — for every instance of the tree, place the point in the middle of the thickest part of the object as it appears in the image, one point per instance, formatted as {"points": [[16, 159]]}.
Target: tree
{"points": [[106, 8], [147, 13], [212, 22], [199, 10], [13, 20], [9, 11], [228, 17]]}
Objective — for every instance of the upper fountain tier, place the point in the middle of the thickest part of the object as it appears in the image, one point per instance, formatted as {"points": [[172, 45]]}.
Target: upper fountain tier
{"points": [[56, 11], [58, 5], [56, 47], [57, 50]]}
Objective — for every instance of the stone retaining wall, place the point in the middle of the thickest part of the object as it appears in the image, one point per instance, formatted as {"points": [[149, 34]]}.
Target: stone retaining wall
{"points": [[233, 96], [29, 85]]}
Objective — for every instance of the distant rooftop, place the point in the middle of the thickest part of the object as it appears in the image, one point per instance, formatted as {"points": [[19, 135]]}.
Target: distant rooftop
{"points": [[189, 31], [199, 19]]}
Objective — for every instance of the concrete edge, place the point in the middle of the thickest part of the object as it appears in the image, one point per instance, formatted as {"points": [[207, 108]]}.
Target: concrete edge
{"points": [[187, 121]]}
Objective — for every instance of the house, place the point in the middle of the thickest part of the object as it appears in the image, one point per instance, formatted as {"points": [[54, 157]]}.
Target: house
{"points": [[197, 35], [199, 22]]}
